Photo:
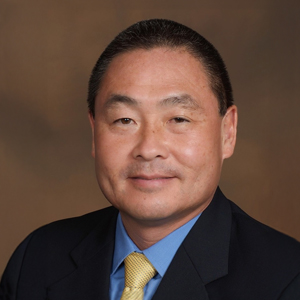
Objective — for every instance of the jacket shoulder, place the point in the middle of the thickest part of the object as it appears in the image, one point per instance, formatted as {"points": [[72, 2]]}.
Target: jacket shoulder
{"points": [[47, 249], [76, 227], [272, 256], [261, 235]]}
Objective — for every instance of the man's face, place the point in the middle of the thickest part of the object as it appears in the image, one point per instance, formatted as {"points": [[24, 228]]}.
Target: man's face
{"points": [[158, 138]]}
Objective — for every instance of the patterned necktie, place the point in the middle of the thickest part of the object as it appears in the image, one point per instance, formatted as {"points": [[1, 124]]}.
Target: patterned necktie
{"points": [[138, 272]]}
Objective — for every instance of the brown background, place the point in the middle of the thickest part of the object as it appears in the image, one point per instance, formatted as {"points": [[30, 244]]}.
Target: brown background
{"points": [[47, 50]]}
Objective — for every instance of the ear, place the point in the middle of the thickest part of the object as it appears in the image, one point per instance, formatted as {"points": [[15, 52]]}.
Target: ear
{"points": [[92, 122], [229, 129]]}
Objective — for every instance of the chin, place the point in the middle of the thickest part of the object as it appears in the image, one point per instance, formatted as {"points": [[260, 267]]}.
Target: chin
{"points": [[148, 210]]}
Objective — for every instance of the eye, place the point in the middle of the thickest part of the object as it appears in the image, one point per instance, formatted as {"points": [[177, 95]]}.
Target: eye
{"points": [[124, 121], [179, 120]]}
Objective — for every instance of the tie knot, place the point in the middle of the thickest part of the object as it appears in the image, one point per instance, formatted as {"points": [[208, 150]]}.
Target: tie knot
{"points": [[138, 270]]}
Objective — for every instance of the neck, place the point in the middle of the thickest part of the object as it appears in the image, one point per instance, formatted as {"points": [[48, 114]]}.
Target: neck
{"points": [[147, 233]]}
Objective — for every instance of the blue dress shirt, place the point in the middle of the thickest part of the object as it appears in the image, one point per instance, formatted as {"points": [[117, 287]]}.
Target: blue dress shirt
{"points": [[159, 254]]}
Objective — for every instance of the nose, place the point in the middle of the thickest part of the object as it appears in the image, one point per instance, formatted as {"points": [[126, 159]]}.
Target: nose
{"points": [[151, 144]]}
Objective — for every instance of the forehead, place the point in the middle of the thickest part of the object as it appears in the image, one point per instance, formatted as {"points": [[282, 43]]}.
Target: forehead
{"points": [[159, 73]]}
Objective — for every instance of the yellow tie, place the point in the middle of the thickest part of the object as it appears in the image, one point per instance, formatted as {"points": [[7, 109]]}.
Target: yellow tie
{"points": [[138, 272]]}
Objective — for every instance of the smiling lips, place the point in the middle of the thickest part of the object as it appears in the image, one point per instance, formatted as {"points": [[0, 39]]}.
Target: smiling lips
{"points": [[152, 177], [151, 181]]}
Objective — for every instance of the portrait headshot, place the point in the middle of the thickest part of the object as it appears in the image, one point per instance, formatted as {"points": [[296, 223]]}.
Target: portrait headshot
{"points": [[161, 165]]}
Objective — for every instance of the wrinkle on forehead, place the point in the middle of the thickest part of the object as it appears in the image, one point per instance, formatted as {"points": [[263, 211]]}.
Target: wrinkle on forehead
{"points": [[158, 78]]}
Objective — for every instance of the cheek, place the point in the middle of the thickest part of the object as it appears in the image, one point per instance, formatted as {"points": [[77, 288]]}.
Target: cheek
{"points": [[190, 151], [197, 151], [111, 154]]}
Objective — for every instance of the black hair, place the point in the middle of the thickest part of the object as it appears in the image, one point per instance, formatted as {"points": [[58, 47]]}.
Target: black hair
{"points": [[149, 34]]}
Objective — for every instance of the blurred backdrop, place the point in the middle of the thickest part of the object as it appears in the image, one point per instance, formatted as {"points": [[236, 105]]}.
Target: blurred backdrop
{"points": [[47, 51]]}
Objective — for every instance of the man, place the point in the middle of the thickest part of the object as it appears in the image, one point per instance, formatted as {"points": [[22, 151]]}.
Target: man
{"points": [[163, 121]]}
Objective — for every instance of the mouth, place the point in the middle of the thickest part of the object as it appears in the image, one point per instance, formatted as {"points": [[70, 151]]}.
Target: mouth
{"points": [[150, 182], [152, 177]]}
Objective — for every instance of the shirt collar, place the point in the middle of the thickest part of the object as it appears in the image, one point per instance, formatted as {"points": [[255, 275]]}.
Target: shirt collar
{"points": [[159, 254]]}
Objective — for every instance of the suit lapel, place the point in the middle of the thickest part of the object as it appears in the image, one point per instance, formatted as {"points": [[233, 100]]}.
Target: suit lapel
{"points": [[203, 255], [181, 281], [92, 266]]}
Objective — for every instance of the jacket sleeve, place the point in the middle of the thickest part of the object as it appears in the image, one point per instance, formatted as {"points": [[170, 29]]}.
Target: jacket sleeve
{"points": [[10, 278]]}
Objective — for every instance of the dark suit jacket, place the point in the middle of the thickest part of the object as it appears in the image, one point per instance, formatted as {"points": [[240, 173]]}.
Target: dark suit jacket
{"points": [[226, 255]]}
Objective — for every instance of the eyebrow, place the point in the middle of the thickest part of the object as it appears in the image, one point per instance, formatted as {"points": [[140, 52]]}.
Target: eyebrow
{"points": [[116, 99], [184, 100]]}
